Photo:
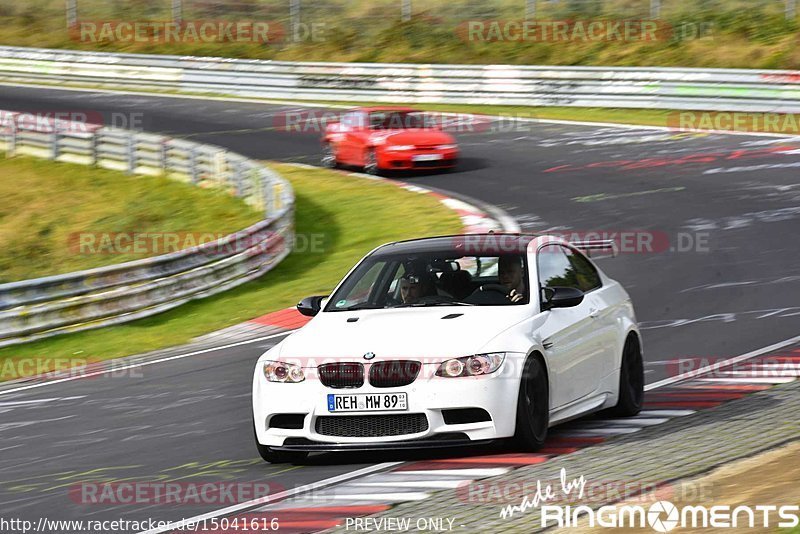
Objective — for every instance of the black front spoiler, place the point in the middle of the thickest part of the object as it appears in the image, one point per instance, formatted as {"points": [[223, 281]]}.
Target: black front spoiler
{"points": [[318, 446]]}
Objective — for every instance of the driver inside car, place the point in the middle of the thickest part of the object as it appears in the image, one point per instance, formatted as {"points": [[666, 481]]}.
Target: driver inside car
{"points": [[511, 287], [510, 275], [413, 288]]}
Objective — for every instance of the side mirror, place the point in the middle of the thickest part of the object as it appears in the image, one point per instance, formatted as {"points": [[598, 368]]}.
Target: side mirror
{"points": [[561, 297], [310, 306]]}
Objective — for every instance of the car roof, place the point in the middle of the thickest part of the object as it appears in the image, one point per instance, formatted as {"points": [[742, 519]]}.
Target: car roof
{"points": [[385, 108], [489, 243]]}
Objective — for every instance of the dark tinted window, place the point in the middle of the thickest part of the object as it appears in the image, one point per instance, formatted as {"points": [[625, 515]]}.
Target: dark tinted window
{"points": [[585, 273], [555, 269]]}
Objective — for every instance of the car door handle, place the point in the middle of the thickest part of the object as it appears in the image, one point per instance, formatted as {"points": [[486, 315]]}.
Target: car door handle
{"points": [[594, 313]]}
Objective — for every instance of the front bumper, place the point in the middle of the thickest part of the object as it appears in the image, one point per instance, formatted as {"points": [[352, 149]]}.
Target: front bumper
{"points": [[410, 159], [456, 440], [429, 396]]}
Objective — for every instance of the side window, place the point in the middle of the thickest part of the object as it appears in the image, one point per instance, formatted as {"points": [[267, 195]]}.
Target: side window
{"points": [[353, 120], [555, 268], [586, 274]]}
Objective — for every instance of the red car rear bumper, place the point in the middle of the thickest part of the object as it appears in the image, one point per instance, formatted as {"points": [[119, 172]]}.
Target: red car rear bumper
{"points": [[417, 159]]}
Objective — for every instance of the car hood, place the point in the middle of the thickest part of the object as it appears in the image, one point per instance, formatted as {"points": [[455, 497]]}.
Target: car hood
{"points": [[412, 137], [428, 334]]}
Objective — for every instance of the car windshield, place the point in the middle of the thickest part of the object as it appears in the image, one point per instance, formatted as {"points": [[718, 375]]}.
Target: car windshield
{"points": [[443, 278], [399, 120]]}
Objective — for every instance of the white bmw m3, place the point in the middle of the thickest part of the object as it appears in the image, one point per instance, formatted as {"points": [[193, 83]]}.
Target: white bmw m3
{"points": [[451, 341]]}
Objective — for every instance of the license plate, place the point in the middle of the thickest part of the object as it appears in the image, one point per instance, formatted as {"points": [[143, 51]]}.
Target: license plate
{"points": [[368, 402], [427, 157]]}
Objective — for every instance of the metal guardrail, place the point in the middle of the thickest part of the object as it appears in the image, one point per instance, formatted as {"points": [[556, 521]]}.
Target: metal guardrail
{"points": [[619, 87], [43, 307]]}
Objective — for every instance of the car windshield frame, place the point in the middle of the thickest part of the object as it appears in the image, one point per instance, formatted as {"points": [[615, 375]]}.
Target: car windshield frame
{"points": [[383, 292], [404, 122]]}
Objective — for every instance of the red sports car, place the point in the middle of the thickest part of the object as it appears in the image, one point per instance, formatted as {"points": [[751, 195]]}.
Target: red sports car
{"points": [[388, 138]]}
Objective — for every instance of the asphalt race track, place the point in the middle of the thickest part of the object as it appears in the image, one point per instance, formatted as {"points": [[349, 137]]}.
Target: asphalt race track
{"points": [[720, 279]]}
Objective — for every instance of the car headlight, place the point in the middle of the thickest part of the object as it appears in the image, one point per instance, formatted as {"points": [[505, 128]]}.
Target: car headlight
{"points": [[400, 147], [447, 147], [480, 364], [283, 372]]}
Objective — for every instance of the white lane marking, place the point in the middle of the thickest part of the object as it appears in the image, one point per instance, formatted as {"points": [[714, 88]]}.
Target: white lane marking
{"points": [[469, 472], [608, 425], [40, 401], [181, 525], [421, 476], [383, 498], [634, 421], [776, 380], [21, 424], [727, 363], [421, 484], [761, 373], [599, 431], [301, 502], [666, 413], [144, 364]]}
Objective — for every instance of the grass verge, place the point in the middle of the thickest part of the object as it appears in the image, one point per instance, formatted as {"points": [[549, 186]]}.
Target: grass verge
{"points": [[47, 206], [343, 217]]}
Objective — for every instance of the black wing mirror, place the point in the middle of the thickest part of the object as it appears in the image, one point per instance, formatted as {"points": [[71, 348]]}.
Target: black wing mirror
{"points": [[561, 297], [310, 306]]}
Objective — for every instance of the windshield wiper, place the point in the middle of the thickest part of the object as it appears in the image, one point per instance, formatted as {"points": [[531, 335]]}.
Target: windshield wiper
{"points": [[356, 307], [431, 304]]}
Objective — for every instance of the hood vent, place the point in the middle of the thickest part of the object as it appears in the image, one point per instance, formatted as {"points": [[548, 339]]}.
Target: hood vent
{"points": [[452, 316]]}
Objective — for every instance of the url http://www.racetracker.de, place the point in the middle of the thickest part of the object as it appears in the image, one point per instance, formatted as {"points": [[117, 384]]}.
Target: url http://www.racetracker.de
{"points": [[255, 524]]}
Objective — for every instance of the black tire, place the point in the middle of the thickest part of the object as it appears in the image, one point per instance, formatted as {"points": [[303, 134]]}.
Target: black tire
{"points": [[328, 158], [371, 162], [268, 454], [631, 380], [533, 406]]}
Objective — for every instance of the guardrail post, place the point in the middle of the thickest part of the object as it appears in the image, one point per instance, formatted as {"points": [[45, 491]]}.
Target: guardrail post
{"points": [[93, 143], [72, 13], [405, 10], [177, 11], [193, 164], [294, 18], [11, 145], [655, 9], [266, 192], [238, 179], [131, 154], [54, 144], [164, 156], [791, 9], [530, 9]]}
